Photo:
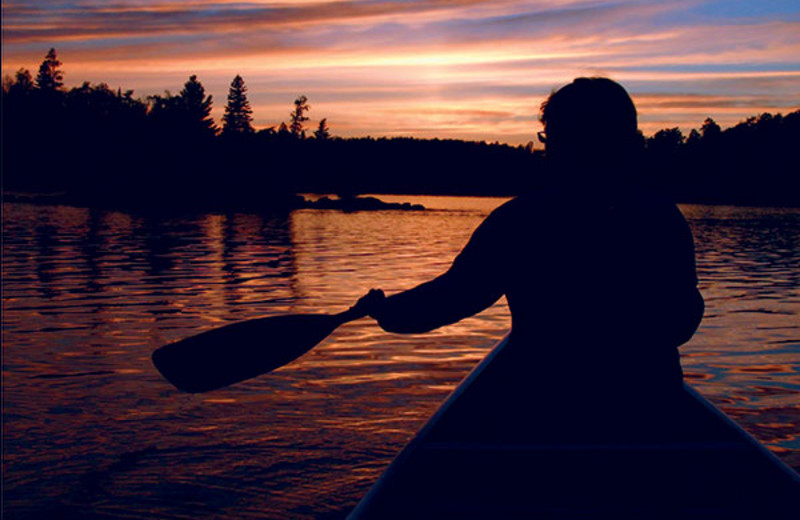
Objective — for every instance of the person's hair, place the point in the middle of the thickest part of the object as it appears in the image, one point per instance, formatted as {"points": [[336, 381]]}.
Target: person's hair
{"points": [[591, 120]]}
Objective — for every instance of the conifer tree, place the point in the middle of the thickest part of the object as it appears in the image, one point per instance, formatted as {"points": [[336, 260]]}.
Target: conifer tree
{"points": [[50, 78], [694, 138], [238, 117], [298, 117], [283, 132], [197, 107], [322, 132], [710, 129]]}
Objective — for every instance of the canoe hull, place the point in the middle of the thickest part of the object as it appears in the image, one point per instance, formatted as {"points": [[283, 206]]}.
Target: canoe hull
{"points": [[468, 463]]}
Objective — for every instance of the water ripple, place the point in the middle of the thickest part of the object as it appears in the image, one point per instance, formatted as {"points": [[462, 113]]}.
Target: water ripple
{"points": [[91, 431]]}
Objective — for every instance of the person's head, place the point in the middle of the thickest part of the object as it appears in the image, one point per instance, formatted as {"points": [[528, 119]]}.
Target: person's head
{"points": [[590, 124]]}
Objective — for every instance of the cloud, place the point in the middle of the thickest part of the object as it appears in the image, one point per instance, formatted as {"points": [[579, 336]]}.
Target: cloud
{"points": [[465, 67], [57, 22]]}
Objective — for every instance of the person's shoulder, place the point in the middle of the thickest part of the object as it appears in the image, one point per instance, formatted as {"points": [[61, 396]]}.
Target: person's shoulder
{"points": [[505, 219], [507, 208], [655, 209], [512, 211], [525, 203]]}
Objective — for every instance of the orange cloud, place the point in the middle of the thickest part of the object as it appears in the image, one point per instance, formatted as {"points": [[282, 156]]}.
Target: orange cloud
{"points": [[475, 68]]}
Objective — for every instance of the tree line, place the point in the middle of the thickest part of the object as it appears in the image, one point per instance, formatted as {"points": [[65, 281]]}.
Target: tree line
{"points": [[96, 145], [100, 145], [751, 162]]}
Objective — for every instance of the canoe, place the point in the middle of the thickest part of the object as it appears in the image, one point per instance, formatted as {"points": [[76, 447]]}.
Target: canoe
{"points": [[484, 454]]}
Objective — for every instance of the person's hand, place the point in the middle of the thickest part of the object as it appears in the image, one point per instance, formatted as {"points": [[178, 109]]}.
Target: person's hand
{"points": [[370, 303]]}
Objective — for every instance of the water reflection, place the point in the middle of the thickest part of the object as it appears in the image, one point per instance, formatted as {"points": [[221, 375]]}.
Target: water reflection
{"points": [[746, 356], [90, 430]]}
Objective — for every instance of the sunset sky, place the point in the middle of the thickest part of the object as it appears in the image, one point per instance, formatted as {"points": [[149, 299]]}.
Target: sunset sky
{"points": [[469, 69]]}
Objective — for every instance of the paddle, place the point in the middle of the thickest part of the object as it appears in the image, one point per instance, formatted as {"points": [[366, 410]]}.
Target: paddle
{"points": [[240, 351]]}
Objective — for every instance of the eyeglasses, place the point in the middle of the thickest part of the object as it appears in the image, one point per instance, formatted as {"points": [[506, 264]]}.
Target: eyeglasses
{"points": [[542, 137]]}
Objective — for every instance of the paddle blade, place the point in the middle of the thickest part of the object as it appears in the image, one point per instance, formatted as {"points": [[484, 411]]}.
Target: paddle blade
{"points": [[240, 351]]}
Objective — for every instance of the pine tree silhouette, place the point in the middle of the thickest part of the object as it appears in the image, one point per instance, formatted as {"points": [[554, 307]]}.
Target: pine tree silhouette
{"points": [[322, 132], [197, 107], [298, 117], [238, 117], [50, 77]]}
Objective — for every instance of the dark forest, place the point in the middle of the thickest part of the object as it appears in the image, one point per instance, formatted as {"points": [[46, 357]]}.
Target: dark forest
{"points": [[93, 145]]}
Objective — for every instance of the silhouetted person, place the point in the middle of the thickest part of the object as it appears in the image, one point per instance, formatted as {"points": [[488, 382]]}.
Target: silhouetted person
{"points": [[599, 274]]}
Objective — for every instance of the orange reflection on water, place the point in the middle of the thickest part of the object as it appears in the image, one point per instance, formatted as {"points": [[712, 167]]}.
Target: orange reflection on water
{"points": [[696, 376], [776, 426], [82, 398], [766, 369]]}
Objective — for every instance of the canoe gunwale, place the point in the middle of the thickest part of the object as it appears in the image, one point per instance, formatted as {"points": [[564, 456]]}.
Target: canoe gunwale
{"points": [[420, 436], [744, 441], [743, 434]]}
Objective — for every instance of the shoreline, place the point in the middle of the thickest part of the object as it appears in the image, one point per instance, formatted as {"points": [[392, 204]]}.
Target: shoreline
{"points": [[309, 200], [325, 202]]}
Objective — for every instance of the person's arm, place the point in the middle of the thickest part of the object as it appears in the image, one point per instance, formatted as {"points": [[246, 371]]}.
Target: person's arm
{"points": [[446, 299], [472, 284], [676, 312]]}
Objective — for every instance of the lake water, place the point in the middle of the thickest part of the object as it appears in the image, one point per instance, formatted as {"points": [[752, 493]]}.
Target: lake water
{"points": [[90, 430]]}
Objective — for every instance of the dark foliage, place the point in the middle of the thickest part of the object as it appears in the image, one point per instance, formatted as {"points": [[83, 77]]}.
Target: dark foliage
{"points": [[99, 146], [238, 118], [197, 109], [750, 163], [50, 77], [297, 118], [322, 132]]}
